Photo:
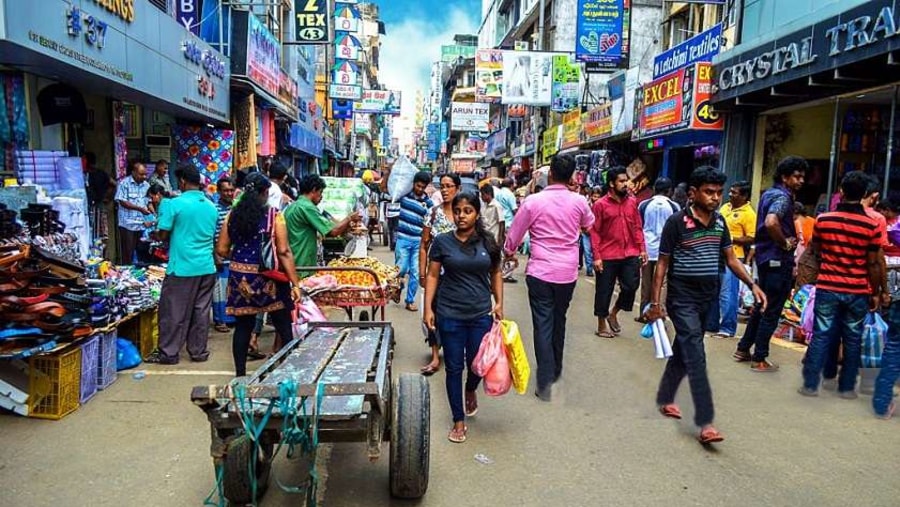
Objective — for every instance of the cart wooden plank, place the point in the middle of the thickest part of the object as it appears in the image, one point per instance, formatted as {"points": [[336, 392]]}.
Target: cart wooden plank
{"points": [[353, 363], [305, 363]]}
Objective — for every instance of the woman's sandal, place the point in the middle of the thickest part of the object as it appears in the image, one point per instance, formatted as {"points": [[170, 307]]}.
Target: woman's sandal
{"points": [[604, 334], [255, 355], [458, 436], [429, 369], [615, 327], [890, 412], [710, 436], [671, 410], [471, 404]]}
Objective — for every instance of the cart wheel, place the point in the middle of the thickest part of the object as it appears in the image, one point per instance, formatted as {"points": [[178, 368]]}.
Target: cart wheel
{"points": [[236, 484], [410, 428], [364, 316]]}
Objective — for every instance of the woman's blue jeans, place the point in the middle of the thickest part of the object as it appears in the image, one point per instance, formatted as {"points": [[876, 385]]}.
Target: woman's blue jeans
{"points": [[461, 340]]}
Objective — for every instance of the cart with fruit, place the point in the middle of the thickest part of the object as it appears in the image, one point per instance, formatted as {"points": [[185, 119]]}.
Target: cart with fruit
{"points": [[365, 284]]}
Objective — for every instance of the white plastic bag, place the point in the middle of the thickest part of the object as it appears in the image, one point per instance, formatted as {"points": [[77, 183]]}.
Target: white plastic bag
{"points": [[400, 182]]}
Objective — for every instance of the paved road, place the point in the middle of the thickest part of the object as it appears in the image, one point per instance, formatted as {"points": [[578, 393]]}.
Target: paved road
{"points": [[600, 442]]}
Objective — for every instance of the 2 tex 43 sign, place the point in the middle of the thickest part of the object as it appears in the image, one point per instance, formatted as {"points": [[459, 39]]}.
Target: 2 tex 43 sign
{"points": [[312, 21]]}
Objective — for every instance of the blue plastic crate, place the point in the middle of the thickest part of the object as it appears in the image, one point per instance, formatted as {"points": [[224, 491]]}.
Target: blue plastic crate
{"points": [[106, 365], [90, 352]]}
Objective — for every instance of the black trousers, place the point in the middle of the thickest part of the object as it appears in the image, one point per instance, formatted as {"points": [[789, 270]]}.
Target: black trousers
{"points": [[128, 242], [243, 328], [627, 272], [549, 305]]}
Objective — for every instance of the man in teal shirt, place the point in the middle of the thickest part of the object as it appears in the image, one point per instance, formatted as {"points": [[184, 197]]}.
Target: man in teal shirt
{"points": [[305, 222], [188, 224]]}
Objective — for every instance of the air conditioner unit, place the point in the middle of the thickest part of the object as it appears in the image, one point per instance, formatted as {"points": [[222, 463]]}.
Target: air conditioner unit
{"points": [[158, 141]]}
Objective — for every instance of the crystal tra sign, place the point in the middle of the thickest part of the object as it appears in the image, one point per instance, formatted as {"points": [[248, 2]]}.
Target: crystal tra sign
{"points": [[781, 59]]}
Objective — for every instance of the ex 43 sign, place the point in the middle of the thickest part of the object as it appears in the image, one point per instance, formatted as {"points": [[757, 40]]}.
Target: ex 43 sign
{"points": [[312, 21]]}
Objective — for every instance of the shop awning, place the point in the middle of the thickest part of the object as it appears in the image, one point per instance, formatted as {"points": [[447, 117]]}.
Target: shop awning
{"points": [[244, 83]]}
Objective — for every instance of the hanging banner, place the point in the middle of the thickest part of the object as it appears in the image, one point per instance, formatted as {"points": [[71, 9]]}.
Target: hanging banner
{"points": [[379, 102], [263, 56], [699, 48], [602, 32], [571, 130], [488, 75], [312, 21], [597, 123], [348, 92], [566, 80], [469, 117], [677, 101], [527, 78], [550, 143]]}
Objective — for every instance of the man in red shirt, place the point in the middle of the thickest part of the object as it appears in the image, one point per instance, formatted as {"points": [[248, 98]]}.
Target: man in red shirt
{"points": [[617, 239]]}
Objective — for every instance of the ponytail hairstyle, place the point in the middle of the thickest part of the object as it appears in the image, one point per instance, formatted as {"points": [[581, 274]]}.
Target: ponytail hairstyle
{"points": [[481, 234], [250, 209]]}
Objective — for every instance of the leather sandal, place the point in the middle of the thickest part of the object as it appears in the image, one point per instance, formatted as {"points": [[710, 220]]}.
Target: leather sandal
{"points": [[671, 410], [710, 436]]}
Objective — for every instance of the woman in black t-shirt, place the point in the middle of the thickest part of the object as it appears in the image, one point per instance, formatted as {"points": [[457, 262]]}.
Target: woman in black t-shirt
{"points": [[463, 274]]}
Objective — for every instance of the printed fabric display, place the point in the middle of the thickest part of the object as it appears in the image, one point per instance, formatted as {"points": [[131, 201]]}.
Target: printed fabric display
{"points": [[14, 133], [211, 150]]}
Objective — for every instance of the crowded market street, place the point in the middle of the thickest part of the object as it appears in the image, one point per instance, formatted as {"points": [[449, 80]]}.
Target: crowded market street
{"points": [[599, 442]]}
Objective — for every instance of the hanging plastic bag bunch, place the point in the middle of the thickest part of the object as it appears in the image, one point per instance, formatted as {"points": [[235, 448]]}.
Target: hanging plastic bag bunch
{"points": [[519, 367], [400, 181], [874, 329], [491, 363]]}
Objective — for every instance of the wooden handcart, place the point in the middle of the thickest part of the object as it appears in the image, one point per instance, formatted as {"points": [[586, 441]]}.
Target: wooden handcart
{"points": [[343, 372]]}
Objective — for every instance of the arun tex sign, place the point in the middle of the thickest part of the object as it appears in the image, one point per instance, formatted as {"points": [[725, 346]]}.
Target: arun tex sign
{"points": [[865, 32]]}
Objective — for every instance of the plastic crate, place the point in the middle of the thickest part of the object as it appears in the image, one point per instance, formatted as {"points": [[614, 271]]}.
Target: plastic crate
{"points": [[106, 360], [63, 370], [90, 352]]}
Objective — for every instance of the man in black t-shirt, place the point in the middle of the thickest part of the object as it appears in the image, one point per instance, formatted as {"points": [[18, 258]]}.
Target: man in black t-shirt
{"points": [[691, 248]]}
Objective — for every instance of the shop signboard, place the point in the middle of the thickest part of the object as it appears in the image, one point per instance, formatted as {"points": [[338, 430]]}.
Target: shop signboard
{"points": [[527, 78], [469, 117], [347, 92], [488, 75], [379, 102], [496, 144], [345, 72], [597, 122], [677, 101], [699, 48], [451, 52], [311, 21], [475, 145], [347, 53], [342, 109], [571, 130], [566, 84], [550, 143], [346, 18], [463, 165], [602, 33], [263, 56], [362, 123]]}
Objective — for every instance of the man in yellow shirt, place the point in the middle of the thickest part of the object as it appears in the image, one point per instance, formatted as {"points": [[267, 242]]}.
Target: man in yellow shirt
{"points": [[741, 220]]}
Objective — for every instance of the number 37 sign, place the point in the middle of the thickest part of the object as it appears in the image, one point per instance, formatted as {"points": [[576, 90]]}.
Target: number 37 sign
{"points": [[312, 19]]}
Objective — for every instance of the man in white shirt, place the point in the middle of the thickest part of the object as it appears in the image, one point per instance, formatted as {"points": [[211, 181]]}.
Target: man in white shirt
{"points": [[492, 215], [507, 200], [654, 213]]}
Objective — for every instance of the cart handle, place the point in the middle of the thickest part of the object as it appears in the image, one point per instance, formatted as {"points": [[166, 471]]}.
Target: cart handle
{"points": [[371, 272], [205, 395]]}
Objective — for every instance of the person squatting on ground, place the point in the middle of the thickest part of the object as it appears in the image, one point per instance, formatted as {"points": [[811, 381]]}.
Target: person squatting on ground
{"points": [[693, 244], [617, 240], [654, 213], [463, 274], [414, 207], [438, 221], [848, 244], [554, 219], [249, 292], [188, 224], [776, 240]]}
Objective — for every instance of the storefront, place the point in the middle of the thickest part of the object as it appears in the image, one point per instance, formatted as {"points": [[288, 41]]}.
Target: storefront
{"points": [[827, 92], [675, 127]]}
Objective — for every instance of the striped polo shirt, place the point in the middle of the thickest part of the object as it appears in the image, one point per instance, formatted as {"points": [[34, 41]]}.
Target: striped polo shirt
{"points": [[412, 216], [845, 237], [695, 254]]}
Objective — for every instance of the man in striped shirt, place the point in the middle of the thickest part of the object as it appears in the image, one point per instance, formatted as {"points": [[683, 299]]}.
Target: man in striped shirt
{"points": [[691, 248], [414, 206], [848, 245], [225, 189]]}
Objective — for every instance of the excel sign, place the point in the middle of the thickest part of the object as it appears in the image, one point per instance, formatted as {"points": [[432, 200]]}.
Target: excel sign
{"points": [[312, 18]]}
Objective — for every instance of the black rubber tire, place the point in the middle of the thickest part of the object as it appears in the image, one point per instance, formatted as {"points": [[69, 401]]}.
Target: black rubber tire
{"points": [[235, 481], [410, 436]]}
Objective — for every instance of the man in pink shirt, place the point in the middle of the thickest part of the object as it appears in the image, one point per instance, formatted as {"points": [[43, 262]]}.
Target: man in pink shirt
{"points": [[554, 218], [617, 239]]}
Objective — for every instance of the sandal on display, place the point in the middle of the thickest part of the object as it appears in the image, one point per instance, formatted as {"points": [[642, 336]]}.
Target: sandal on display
{"points": [[458, 435], [671, 410]]}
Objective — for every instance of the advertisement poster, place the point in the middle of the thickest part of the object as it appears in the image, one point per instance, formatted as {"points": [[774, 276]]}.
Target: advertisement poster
{"points": [[346, 18], [311, 19], [475, 145], [347, 92], [571, 130], [527, 78], [566, 84], [488, 75], [379, 102], [597, 122], [469, 117], [263, 56], [677, 101], [602, 33]]}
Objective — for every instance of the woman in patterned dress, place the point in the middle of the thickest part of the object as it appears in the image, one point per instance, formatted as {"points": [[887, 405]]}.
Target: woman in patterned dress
{"points": [[438, 221], [249, 292]]}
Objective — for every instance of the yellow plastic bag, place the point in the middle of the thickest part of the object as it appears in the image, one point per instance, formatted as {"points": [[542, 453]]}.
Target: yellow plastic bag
{"points": [[515, 352]]}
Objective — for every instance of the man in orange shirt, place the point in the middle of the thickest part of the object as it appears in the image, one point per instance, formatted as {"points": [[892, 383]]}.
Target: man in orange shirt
{"points": [[804, 224]]}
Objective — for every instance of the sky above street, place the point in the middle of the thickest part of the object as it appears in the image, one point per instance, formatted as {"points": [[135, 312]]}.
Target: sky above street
{"points": [[416, 29]]}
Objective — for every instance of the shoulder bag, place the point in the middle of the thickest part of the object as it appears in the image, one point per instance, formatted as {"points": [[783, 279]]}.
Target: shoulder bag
{"points": [[269, 266]]}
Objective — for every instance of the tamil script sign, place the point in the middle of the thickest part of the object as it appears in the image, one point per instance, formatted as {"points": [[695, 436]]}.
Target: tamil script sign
{"points": [[469, 117], [602, 33]]}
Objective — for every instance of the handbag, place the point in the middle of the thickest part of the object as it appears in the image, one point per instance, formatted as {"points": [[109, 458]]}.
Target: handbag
{"points": [[269, 266]]}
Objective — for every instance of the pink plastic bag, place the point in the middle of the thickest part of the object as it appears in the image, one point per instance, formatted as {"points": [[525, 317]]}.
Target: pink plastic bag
{"points": [[490, 351], [498, 379]]}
